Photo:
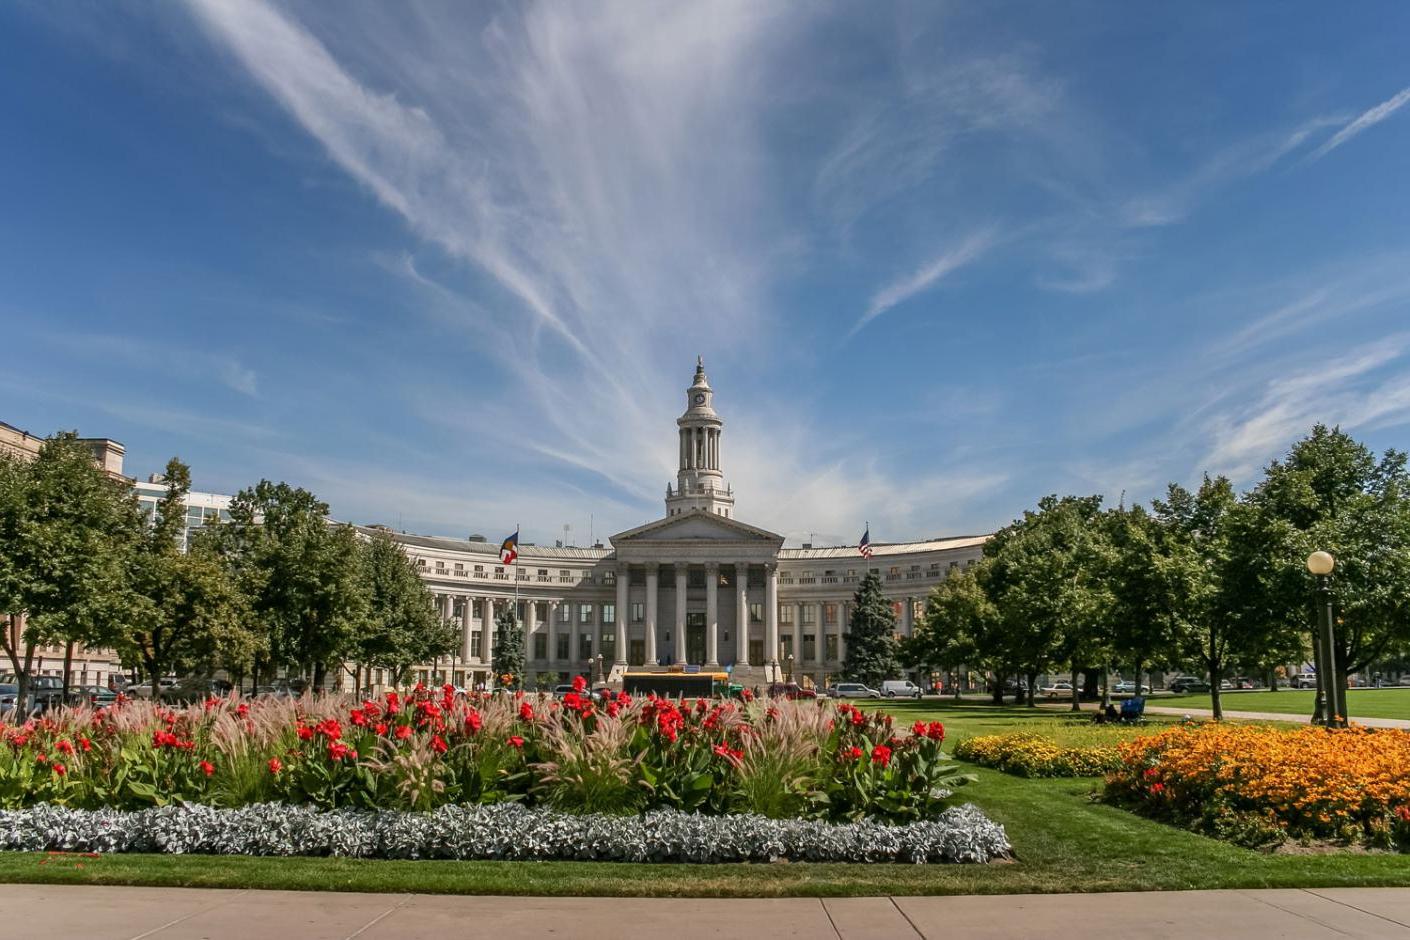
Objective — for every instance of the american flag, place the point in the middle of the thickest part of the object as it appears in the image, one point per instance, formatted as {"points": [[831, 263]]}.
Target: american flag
{"points": [[864, 546], [509, 549]]}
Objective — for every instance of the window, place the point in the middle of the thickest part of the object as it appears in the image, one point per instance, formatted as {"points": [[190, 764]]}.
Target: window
{"points": [[475, 645], [810, 647], [584, 613], [479, 570], [609, 643], [565, 613], [810, 615], [562, 641], [831, 646], [638, 576], [829, 613], [785, 613], [696, 578], [638, 652], [756, 651], [586, 645], [787, 642], [459, 568], [638, 612], [609, 613], [609, 577], [540, 646], [756, 615]]}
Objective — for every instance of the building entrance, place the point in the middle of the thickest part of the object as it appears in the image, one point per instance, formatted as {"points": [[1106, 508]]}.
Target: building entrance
{"points": [[695, 638]]}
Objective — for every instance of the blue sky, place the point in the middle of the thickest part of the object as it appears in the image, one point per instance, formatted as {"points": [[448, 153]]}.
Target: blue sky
{"points": [[450, 266]]}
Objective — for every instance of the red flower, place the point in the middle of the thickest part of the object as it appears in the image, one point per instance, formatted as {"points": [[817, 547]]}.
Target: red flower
{"points": [[207, 768], [60, 769], [1157, 787], [526, 711], [338, 750], [516, 741], [305, 733], [438, 744], [63, 747], [473, 722], [579, 683], [881, 754], [612, 709], [853, 753], [275, 765], [242, 710], [403, 732], [83, 743]]}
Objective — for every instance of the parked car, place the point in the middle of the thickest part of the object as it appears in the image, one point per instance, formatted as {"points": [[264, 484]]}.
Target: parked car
{"points": [[95, 695], [852, 690], [45, 692], [1129, 688], [8, 693], [1306, 680], [1187, 684], [1057, 690], [891, 688], [790, 690]]}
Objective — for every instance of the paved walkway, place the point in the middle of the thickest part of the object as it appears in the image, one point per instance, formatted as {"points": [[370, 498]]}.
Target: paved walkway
{"points": [[113, 913], [1272, 716]]}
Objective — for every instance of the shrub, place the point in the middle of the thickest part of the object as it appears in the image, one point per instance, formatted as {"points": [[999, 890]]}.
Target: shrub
{"points": [[1028, 754], [429, 749], [1258, 785], [504, 831]]}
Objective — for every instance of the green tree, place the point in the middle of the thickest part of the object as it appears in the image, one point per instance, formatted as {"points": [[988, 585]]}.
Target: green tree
{"points": [[188, 614], [1332, 493], [1145, 615], [1045, 575], [65, 531], [508, 657], [958, 615], [402, 627], [302, 575], [872, 652]]}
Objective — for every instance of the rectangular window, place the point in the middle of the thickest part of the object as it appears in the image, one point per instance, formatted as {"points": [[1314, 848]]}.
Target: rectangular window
{"points": [[696, 578], [829, 614], [562, 641], [609, 613], [638, 576], [787, 643], [475, 645], [586, 647], [785, 613], [810, 647], [584, 613], [756, 615], [540, 646], [638, 652], [565, 613], [609, 643], [638, 612], [609, 577], [831, 645], [756, 652]]}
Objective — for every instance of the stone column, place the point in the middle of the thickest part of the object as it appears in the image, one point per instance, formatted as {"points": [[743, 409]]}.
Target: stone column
{"points": [[623, 583], [553, 633], [466, 613], [820, 637], [447, 608], [681, 570], [652, 578], [771, 619], [712, 615], [575, 635], [487, 634], [741, 613], [908, 613], [841, 632]]}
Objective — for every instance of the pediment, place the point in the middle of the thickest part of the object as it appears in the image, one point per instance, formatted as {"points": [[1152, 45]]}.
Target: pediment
{"points": [[696, 527]]}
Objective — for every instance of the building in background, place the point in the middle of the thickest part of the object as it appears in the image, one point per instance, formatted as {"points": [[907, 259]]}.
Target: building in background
{"points": [[697, 588], [202, 509]]}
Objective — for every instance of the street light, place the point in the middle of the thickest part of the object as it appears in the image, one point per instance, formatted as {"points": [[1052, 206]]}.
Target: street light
{"points": [[1331, 703], [790, 667]]}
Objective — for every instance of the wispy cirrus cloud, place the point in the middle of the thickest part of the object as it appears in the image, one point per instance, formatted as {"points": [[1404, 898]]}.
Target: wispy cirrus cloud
{"points": [[968, 251], [1364, 120]]}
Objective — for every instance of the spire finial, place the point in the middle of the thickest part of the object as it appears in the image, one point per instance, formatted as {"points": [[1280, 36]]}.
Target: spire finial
{"points": [[699, 363]]}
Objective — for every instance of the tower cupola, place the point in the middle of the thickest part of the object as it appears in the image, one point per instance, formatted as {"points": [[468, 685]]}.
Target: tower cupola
{"points": [[700, 485]]}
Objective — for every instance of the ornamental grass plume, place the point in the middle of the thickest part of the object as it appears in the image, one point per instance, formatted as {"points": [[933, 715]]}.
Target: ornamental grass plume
{"points": [[588, 764]]}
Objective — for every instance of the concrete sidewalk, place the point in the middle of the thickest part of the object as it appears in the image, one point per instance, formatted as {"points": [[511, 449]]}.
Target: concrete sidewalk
{"points": [[116, 913], [1272, 716]]}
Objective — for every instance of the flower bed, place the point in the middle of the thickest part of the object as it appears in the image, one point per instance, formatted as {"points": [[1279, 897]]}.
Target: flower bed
{"points": [[506, 831], [1260, 786], [1027, 754], [619, 755]]}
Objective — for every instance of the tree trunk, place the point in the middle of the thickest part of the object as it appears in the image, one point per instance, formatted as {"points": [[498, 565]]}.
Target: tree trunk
{"points": [[1032, 678], [1273, 679], [154, 668], [1076, 705], [1216, 676], [320, 675], [68, 670], [1106, 685], [998, 689], [1090, 690]]}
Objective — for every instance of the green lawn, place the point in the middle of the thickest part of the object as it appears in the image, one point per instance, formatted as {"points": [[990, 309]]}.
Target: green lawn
{"points": [[1362, 703], [1063, 841]]}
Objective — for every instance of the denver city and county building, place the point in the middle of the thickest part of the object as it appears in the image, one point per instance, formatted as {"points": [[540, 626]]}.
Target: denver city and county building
{"points": [[698, 587]]}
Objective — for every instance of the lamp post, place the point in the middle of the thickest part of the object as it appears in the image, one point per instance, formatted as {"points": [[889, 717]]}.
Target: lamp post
{"points": [[1330, 706], [790, 667]]}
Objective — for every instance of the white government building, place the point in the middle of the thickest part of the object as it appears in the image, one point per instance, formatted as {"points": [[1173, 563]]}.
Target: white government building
{"points": [[696, 588]]}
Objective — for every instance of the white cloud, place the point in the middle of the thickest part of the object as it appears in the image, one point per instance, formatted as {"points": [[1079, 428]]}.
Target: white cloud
{"points": [[947, 262], [1363, 121]]}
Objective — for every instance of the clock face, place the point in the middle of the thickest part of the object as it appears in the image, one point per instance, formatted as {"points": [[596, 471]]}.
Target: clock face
{"points": [[700, 398]]}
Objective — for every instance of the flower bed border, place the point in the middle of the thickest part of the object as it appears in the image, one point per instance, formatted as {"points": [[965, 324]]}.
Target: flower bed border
{"points": [[503, 831]]}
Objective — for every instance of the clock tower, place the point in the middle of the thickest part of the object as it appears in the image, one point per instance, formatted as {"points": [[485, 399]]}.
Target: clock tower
{"points": [[699, 484]]}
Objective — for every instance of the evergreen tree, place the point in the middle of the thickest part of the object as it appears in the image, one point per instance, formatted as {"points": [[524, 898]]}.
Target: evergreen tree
{"points": [[403, 627], [508, 649], [872, 651]]}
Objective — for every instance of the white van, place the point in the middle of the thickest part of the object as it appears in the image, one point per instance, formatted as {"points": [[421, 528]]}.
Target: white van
{"points": [[904, 687]]}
